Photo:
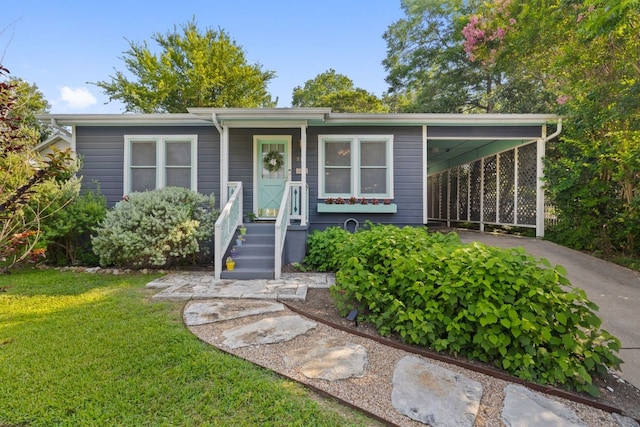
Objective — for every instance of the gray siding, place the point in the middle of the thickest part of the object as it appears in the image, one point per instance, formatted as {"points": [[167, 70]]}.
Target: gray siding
{"points": [[102, 151], [407, 167]]}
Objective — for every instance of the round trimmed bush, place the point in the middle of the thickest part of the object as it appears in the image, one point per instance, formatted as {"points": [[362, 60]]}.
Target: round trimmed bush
{"points": [[159, 228]]}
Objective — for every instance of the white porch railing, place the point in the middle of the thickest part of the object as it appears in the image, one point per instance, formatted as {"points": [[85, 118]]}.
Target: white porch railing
{"points": [[282, 223], [299, 202], [230, 218]]}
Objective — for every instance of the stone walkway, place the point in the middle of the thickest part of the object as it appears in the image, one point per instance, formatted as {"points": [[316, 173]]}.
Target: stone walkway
{"points": [[245, 318]]}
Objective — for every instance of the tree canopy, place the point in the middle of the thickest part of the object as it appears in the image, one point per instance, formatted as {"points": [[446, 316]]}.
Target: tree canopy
{"points": [[330, 89], [429, 66], [192, 69]]}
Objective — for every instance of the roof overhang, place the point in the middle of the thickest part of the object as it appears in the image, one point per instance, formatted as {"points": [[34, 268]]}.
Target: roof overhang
{"points": [[123, 119], [53, 140], [294, 117]]}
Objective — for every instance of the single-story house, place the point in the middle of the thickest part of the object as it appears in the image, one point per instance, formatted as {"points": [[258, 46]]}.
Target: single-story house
{"points": [[297, 169]]}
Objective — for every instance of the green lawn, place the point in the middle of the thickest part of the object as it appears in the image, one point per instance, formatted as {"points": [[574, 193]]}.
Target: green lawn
{"points": [[80, 349]]}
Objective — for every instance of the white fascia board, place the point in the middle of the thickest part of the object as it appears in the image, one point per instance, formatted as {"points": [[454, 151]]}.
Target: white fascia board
{"points": [[238, 117], [123, 119], [52, 141], [441, 119]]}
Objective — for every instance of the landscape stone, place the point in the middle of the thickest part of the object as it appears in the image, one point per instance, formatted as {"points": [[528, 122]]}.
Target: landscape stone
{"points": [[330, 359], [267, 331], [433, 395], [526, 408], [623, 421], [201, 313]]}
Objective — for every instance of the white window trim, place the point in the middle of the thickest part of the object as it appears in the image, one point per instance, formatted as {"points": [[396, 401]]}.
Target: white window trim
{"points": [[160, 140], [355, 165]]}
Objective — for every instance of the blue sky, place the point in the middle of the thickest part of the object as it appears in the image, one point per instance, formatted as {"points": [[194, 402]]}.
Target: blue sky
{"points": [[61, 46]]}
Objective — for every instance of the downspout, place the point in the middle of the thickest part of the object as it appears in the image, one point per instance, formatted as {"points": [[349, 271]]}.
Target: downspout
{"points": [[540, 153], [556, 133]]}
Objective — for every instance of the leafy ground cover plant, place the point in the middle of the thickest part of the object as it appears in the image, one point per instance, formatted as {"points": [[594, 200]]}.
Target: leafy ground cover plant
{"points": [[80, 349], [67, 233], [499, 306], [156, 228]]}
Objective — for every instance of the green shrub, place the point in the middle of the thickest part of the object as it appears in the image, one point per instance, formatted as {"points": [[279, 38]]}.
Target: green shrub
{"points": [[157, 228], [323, 248], [499, 306], [67, 233]]}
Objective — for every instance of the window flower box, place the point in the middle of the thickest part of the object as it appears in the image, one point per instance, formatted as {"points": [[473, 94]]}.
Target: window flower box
{"points": [[357, 208]]}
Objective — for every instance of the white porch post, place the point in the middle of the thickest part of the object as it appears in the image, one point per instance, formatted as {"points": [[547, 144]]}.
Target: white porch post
{"points": [[303, 166], [224, 166], [425, 176], [540, 153]]}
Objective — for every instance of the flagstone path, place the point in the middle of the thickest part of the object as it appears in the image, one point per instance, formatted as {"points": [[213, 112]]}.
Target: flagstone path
{"points": [[245, 318]]}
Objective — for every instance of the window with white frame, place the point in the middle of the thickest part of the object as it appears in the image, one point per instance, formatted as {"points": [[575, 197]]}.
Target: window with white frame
{"points": [[360, 166], [152, 162]]}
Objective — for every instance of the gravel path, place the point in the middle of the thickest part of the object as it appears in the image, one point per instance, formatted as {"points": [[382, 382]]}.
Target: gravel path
{"points": [[372, 392]]}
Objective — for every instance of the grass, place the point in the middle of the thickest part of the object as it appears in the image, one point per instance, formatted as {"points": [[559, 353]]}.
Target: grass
{"points": [[79, 349]]}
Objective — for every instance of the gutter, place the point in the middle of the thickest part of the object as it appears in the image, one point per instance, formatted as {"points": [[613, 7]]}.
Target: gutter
{"points": [[54, 124], [216, 123], [556, 133]]}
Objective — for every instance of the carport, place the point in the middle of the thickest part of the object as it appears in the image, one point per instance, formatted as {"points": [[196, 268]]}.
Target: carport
{"points": [[489, 175]]}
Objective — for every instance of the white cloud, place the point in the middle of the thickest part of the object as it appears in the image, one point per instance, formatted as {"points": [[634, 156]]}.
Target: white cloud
{"points": [[79, 97]]}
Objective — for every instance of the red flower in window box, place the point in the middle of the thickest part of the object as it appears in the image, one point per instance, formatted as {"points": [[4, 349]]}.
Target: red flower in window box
{"points": [[339, 201], [387, 201], [328, 201], [353, 200], [364, 201], [375, 202]]}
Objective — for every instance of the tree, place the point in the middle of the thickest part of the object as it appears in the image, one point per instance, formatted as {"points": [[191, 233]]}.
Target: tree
{"points": [[330, 89], [428, 64], [29, 101], [193, 69], [585, 53], [29, 184]]}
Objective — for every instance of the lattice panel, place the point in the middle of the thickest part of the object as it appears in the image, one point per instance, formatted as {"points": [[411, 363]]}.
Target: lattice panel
{"points": [[475, 177], [507, 194], [433, 195], [490, 188], [453, 194], [463, 192], [444, 180], [527, 184]]}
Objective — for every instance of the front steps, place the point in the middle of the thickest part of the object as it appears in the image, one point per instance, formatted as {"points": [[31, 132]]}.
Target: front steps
{"points": [[256, 257]]}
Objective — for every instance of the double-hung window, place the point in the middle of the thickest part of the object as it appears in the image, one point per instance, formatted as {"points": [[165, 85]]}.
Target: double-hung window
{"points": [[152, 162], [360, 166]]}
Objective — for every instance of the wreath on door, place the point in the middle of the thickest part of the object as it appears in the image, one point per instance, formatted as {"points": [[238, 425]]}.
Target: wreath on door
{"points": [[273, 161]]}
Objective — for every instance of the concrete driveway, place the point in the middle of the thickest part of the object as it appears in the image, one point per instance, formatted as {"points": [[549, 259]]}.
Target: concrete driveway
{"points": [[615, 289]]}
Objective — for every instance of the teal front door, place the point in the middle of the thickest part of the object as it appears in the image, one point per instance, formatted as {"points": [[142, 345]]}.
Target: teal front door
{"points": [[272, 169]]}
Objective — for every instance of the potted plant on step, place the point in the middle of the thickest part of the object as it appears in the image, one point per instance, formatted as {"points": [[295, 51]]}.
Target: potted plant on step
{"points": [[231, 263], [243, 230]]}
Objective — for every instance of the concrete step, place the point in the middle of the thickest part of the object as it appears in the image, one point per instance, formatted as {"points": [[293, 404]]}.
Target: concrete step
{"points": [[255, 259], [247, 273], [256, 249]]}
